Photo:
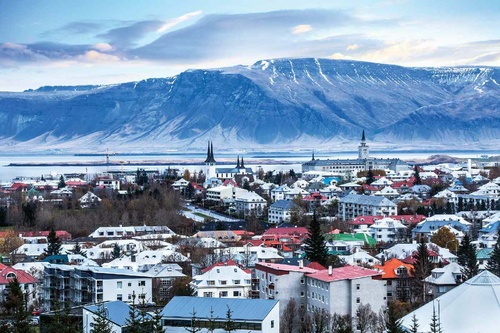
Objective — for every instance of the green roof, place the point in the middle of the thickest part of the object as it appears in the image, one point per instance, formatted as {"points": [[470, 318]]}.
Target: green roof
{"points": [[484, 254], [367, 239]]}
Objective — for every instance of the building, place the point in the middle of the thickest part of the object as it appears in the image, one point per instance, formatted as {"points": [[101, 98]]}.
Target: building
{"points": [[433, 223], [342, 290], [223, 279], [443, 279], [83, 285], [352, 166], [27, 282], [471, 307], [250, 203], [398, 276], [117, 313], [388, 230], [354, 205], [281, 211], [247, 315]]}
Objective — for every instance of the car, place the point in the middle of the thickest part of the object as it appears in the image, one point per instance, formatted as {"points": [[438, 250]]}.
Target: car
{"points": [[35, 321], [37, 311]]}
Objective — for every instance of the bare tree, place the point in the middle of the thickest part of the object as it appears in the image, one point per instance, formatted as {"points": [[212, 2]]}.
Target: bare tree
{"points": [[289, 317]]}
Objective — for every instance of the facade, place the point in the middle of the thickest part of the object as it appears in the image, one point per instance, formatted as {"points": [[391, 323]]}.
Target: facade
{"points": [[433, 223], [83, 285], [281, 211], [117, 313], [397, 276], [388, 230], [443, 279], [354, 205], [250, 203], [247, 315], [226, 280], [27, 282]]}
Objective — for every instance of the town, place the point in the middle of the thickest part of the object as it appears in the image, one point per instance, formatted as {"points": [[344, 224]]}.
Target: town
{"points": [[343, 245]]}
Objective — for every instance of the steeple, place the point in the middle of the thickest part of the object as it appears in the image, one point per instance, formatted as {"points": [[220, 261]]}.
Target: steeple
{"points": [[363, 149], [238, 162], [313, 156], [242, 166], [363, 136], [210, 154]]}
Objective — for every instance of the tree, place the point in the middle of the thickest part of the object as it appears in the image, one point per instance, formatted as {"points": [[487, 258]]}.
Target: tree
{"points": [[10, 241], [422, 268], [187, 175], [414, 324], [435, 324], [212, 322], [77, 249], [365, 318], [135, 321], [16, 305], [156, 325], [443, 237], [117, 251], [341, 324], [61, 321], [54, 244], [467, 258], [493, 264], [315, 243], [229, 323], [418, 180], [289, 317], [370, 177], [101, 321], [61, 183], [246, 185], [392, 323], [30, 210]]}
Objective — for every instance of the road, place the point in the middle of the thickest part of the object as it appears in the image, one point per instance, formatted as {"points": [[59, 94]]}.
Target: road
{"points": [[191, 210]]}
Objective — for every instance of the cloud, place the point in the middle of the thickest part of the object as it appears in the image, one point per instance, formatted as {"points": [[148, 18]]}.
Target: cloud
{"points": [[352, 47], [169, 24], [300, 29], [93, 56], [124, 37], [103, 47], [76, 28]]}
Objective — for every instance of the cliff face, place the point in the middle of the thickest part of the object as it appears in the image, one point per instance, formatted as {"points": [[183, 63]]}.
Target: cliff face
{"points": [[274, 103]]}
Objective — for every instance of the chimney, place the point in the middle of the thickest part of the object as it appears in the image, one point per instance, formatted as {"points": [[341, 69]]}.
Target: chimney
{"points": [[301, 264], [330, 270]]}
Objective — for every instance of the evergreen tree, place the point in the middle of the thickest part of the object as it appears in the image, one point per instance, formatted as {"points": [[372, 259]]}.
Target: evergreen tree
{"points": [[467, 258], [370, 176], [229, 323], [135, 321], [493, 264], [117, 251], [435, 324], [101, 321], [16, 305], [422, 268], [315, 243], [414, 324], [418, 180], [156, 325], [61, 183], [53, 244], [61, 321], [77, 249], [246, 185], [392, 323], [195, 324]]}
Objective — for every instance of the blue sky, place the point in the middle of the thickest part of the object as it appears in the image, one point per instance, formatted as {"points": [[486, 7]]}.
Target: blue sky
{"points": [[60, 42]]}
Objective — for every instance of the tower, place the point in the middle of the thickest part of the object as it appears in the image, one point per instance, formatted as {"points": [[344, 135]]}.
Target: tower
{"points": [[210, 161], [363, 149]]}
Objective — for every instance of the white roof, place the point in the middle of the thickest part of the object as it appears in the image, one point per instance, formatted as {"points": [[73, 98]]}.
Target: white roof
{"points": [[387, 223], [445, 275], [472, 307]]}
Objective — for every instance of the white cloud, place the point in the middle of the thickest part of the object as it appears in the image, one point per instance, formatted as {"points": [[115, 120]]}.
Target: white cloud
{"points": [[402, 51], [94, 56], [301, 28], [339, 55], [352, 47], [169, 24], [103, 47]]}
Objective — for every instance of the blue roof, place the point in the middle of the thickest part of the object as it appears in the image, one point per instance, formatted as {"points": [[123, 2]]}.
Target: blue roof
{"points": [[328, 180], [428, 226], [118, 311], [491, 227], [242, 309], [284, 204]]}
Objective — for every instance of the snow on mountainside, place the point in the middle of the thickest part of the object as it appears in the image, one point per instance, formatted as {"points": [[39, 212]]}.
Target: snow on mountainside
{"points": [[281, 103]]}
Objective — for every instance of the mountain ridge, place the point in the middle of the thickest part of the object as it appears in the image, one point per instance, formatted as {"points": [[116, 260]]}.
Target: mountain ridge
{"points": [[282, 103]]}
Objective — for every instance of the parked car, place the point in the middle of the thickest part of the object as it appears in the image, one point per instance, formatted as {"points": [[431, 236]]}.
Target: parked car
{"points": [[37, 311], [35, 321]]}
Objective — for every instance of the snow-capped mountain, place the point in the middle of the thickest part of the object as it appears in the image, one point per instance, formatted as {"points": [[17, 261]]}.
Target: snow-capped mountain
{"points": [[279, 104]]}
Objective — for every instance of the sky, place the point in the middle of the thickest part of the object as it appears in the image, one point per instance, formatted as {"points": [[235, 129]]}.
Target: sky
{"points": [[61, 42]]}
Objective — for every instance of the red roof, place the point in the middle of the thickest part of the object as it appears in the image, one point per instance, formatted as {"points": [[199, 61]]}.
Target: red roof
{"points": [[229, 262], [314, 196], [62, 234], [405, 183], [230, 181], [343, 273], [295, 231], [255, 242], [315, 265], [369, 187], [22, 276]]}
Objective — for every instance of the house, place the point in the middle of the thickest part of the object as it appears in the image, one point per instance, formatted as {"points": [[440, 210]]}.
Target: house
{"points": [[129, 231], [105, 182], [250, 203], [27, 282], [117, 313], [397, 276], [470, 307], [435, 222], [281, 211], [279, 193], [443, 279], [89, 200], [247, 315], [387, 230], [221, 194], [223, 279], [248, 255], [354, 205]]}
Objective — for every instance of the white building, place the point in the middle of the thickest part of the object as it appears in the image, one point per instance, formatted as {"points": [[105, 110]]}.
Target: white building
{"points": [[387, 230], [222, 193], [281, 211], [117, 313], [225, 279], [354, 205], [249, 203], [129, 231]]}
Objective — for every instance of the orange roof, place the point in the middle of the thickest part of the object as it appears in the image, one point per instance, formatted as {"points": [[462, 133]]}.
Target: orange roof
{"points": [[21, 275], [390, 267]]}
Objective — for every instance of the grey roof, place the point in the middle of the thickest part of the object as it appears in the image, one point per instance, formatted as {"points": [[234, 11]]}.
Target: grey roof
{"points": [[369, 200], [284, 204], [118, 311], [471, 307], [242, 309]]}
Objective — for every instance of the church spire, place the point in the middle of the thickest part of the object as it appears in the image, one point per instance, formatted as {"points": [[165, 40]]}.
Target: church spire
{"points": [[238, 162], [210, 153], [242, 165], [313, 156], [363, 136]]}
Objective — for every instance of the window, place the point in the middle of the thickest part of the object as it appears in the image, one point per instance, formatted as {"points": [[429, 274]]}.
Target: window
{"points": [[358, 286], [211, 282], [142, 283], [119, 285], [236, 281], [301, 294], [272, 323], [130, 284], [223, 282], [236, 293], [358, 300], [389, 282], [223, 294], [119, 297]]}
